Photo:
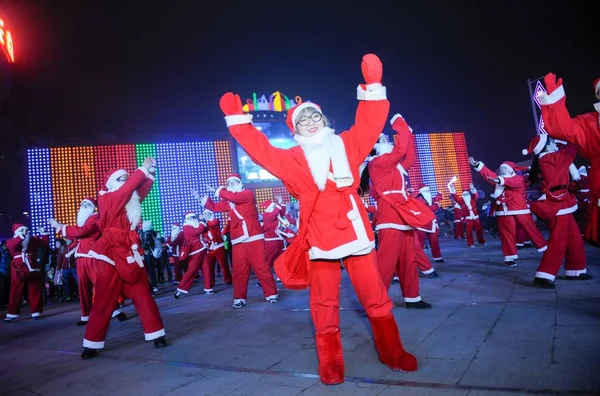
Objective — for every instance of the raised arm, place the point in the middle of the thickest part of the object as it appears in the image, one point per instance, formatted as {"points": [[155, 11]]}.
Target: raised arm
{"points": [[242, 197], [209, 204], [123, 194], [487, 174], [88, 229]]}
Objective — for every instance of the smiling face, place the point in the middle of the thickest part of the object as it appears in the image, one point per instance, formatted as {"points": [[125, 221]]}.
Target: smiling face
{"points": [[310, 121]]}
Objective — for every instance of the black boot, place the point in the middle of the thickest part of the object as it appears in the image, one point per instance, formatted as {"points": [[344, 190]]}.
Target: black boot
{"points": [[433, 275], [543, 283], [584, 276], [81, 323], [160, 342], [121, 317], [510, 263], [418, 305], [89, 353]]}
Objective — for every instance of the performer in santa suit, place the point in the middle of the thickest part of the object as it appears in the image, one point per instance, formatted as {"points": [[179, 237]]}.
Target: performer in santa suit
{"points": [[522, 238], [83, 235], [583, 131], [120, 266], [459, 220], [582, 193], [467, 201], [247, 239], [216, 245], [272, 216], [510, 208], [25, 270], [433, 204], [553, 168], [322, 173], [193, 253], [174, 243]]}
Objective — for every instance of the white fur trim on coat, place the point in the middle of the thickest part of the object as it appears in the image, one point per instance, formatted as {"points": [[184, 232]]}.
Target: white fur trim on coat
{"points": [[373, 92], [238, 119]]}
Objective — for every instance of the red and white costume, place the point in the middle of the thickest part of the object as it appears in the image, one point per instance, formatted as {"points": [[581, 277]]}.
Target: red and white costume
{"points": [[582, 130], [247, 239], [25, 270], [557, 205], [216, 247], [174, 243], [510, 209], [583, 199], [433, 204], [468, 202], [459, 220], [322, 173], [120, 266], [193, 253], [272, 218]]}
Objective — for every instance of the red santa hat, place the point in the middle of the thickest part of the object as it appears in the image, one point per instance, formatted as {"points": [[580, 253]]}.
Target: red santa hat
{"points": [[234, 176], [597, 87], [536, 145], [18, 228], [90, 200], [294, 112], [112, 176], [176, 224], [190, 214], [514, 167]]}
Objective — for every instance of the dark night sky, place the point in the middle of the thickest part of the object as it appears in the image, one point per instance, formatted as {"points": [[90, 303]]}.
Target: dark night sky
{"points": [[131, 67]]}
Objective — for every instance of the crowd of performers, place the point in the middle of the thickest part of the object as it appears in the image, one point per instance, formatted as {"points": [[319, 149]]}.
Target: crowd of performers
{"points": [[330, 229]]}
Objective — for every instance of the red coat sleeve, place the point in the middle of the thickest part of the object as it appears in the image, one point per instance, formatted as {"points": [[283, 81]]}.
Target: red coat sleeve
{"points": [[512, 183], [73, 231], [120, 197], [221, 206], [370, 119], [191, 232], [145, 188], [560, 125], [242, 197], [388, 162], [409, 159]]}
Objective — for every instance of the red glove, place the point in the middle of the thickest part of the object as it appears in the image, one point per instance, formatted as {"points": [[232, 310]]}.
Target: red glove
{"points": [[399, 124], [438, 198], [231, 104], [551, 83], [372, 69]]}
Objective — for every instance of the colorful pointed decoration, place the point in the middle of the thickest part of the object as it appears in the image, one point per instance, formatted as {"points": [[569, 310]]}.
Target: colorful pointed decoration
{"points": [[276, 102]]}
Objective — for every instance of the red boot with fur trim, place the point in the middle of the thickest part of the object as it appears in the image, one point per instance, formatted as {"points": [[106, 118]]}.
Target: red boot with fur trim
{"points": [[331, 357], [389, 346]]}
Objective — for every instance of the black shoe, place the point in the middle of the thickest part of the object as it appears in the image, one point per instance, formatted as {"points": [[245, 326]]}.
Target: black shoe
{"points": [[121, 317], [584, 276], [510, 263], [160, 342], [258, 284], [176, 295], [543, 283], [88, 353], [418, 305], [439, 260], [81, 323], [433, 275]]}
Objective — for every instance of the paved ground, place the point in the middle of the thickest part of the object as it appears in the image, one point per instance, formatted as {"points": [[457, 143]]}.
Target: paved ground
{"points": [[489, 333]]}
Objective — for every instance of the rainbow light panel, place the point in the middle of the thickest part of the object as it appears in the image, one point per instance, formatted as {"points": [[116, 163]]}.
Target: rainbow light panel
{"points": [[59, 178]]}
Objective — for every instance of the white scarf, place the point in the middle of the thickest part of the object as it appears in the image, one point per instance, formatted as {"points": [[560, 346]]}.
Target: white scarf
{"points": [[321, 150], [84, 213], [134, 210]]}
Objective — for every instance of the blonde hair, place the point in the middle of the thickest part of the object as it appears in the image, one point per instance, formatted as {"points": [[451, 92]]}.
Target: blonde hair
{"points": [[307, 112]]}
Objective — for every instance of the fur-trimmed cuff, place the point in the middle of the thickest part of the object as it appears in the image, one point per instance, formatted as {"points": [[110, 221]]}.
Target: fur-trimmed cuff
{"points": [[554, 97], [395, 117], [151, 176], [501, 179], [270, 208], [145, 171], [372, 92], [203, 200], [238, 119], [479, 166], [218, 191]]}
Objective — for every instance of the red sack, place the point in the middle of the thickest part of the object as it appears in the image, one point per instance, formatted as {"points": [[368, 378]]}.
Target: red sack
{"points": [[293, 265]]}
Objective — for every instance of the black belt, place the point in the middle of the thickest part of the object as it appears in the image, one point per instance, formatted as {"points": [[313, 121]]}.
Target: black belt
{"points": [[556, 188]]}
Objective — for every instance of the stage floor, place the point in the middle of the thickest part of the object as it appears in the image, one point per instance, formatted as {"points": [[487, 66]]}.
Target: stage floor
{"points": [[489, 333]]}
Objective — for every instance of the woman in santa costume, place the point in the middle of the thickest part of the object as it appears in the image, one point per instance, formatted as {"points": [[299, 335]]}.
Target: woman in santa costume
{"points": [[582, 130], [193, 253], [322, 173], [84, 234], [510, 208], [468, 202], [216, 245], [25, 270], [398, 214], [174, 243], [433, 204], [120, 258], [247, 239], [553, 168]]}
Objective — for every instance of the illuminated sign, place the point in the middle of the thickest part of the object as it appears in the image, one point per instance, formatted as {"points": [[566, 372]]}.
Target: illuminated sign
{"points": [[6, 42], [276, 102]]}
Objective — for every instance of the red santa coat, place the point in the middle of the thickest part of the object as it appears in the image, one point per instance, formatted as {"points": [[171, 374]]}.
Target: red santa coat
{"points": [[83, 237], [433, 206], [583, 131], [469, 206], [118, 232], [509, 197], [395, 207], [243, 225], [557, 199], [271, 224], [213, 235], [339, 225], [193, 241], [176, 243], [26, 261]]}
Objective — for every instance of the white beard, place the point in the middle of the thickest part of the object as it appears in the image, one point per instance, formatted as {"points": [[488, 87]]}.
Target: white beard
{"points": [[174, 232], [467, 199], [427, 196], [237, 188], [383, 148], [83, 215], [134, 210], [192, 223]]}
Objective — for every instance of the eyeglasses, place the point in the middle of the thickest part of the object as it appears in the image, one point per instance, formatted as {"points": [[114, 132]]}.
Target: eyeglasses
{"points": [[316, 117]]}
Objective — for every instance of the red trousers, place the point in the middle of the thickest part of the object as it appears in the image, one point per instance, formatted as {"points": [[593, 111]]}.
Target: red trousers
{"points": [[325, 279], [177, 268], [508, 226], [86, 273], [565, 243], [34, 292], [522, 237], [459, 229], [220, 256], [195, 263], [251, 255], [434, 243], [273, 249], [397, 253], [423, 263], [478, 230], [107, 288]]}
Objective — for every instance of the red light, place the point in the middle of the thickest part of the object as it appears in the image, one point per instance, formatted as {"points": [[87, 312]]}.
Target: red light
{"points": [[6, 42]]}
